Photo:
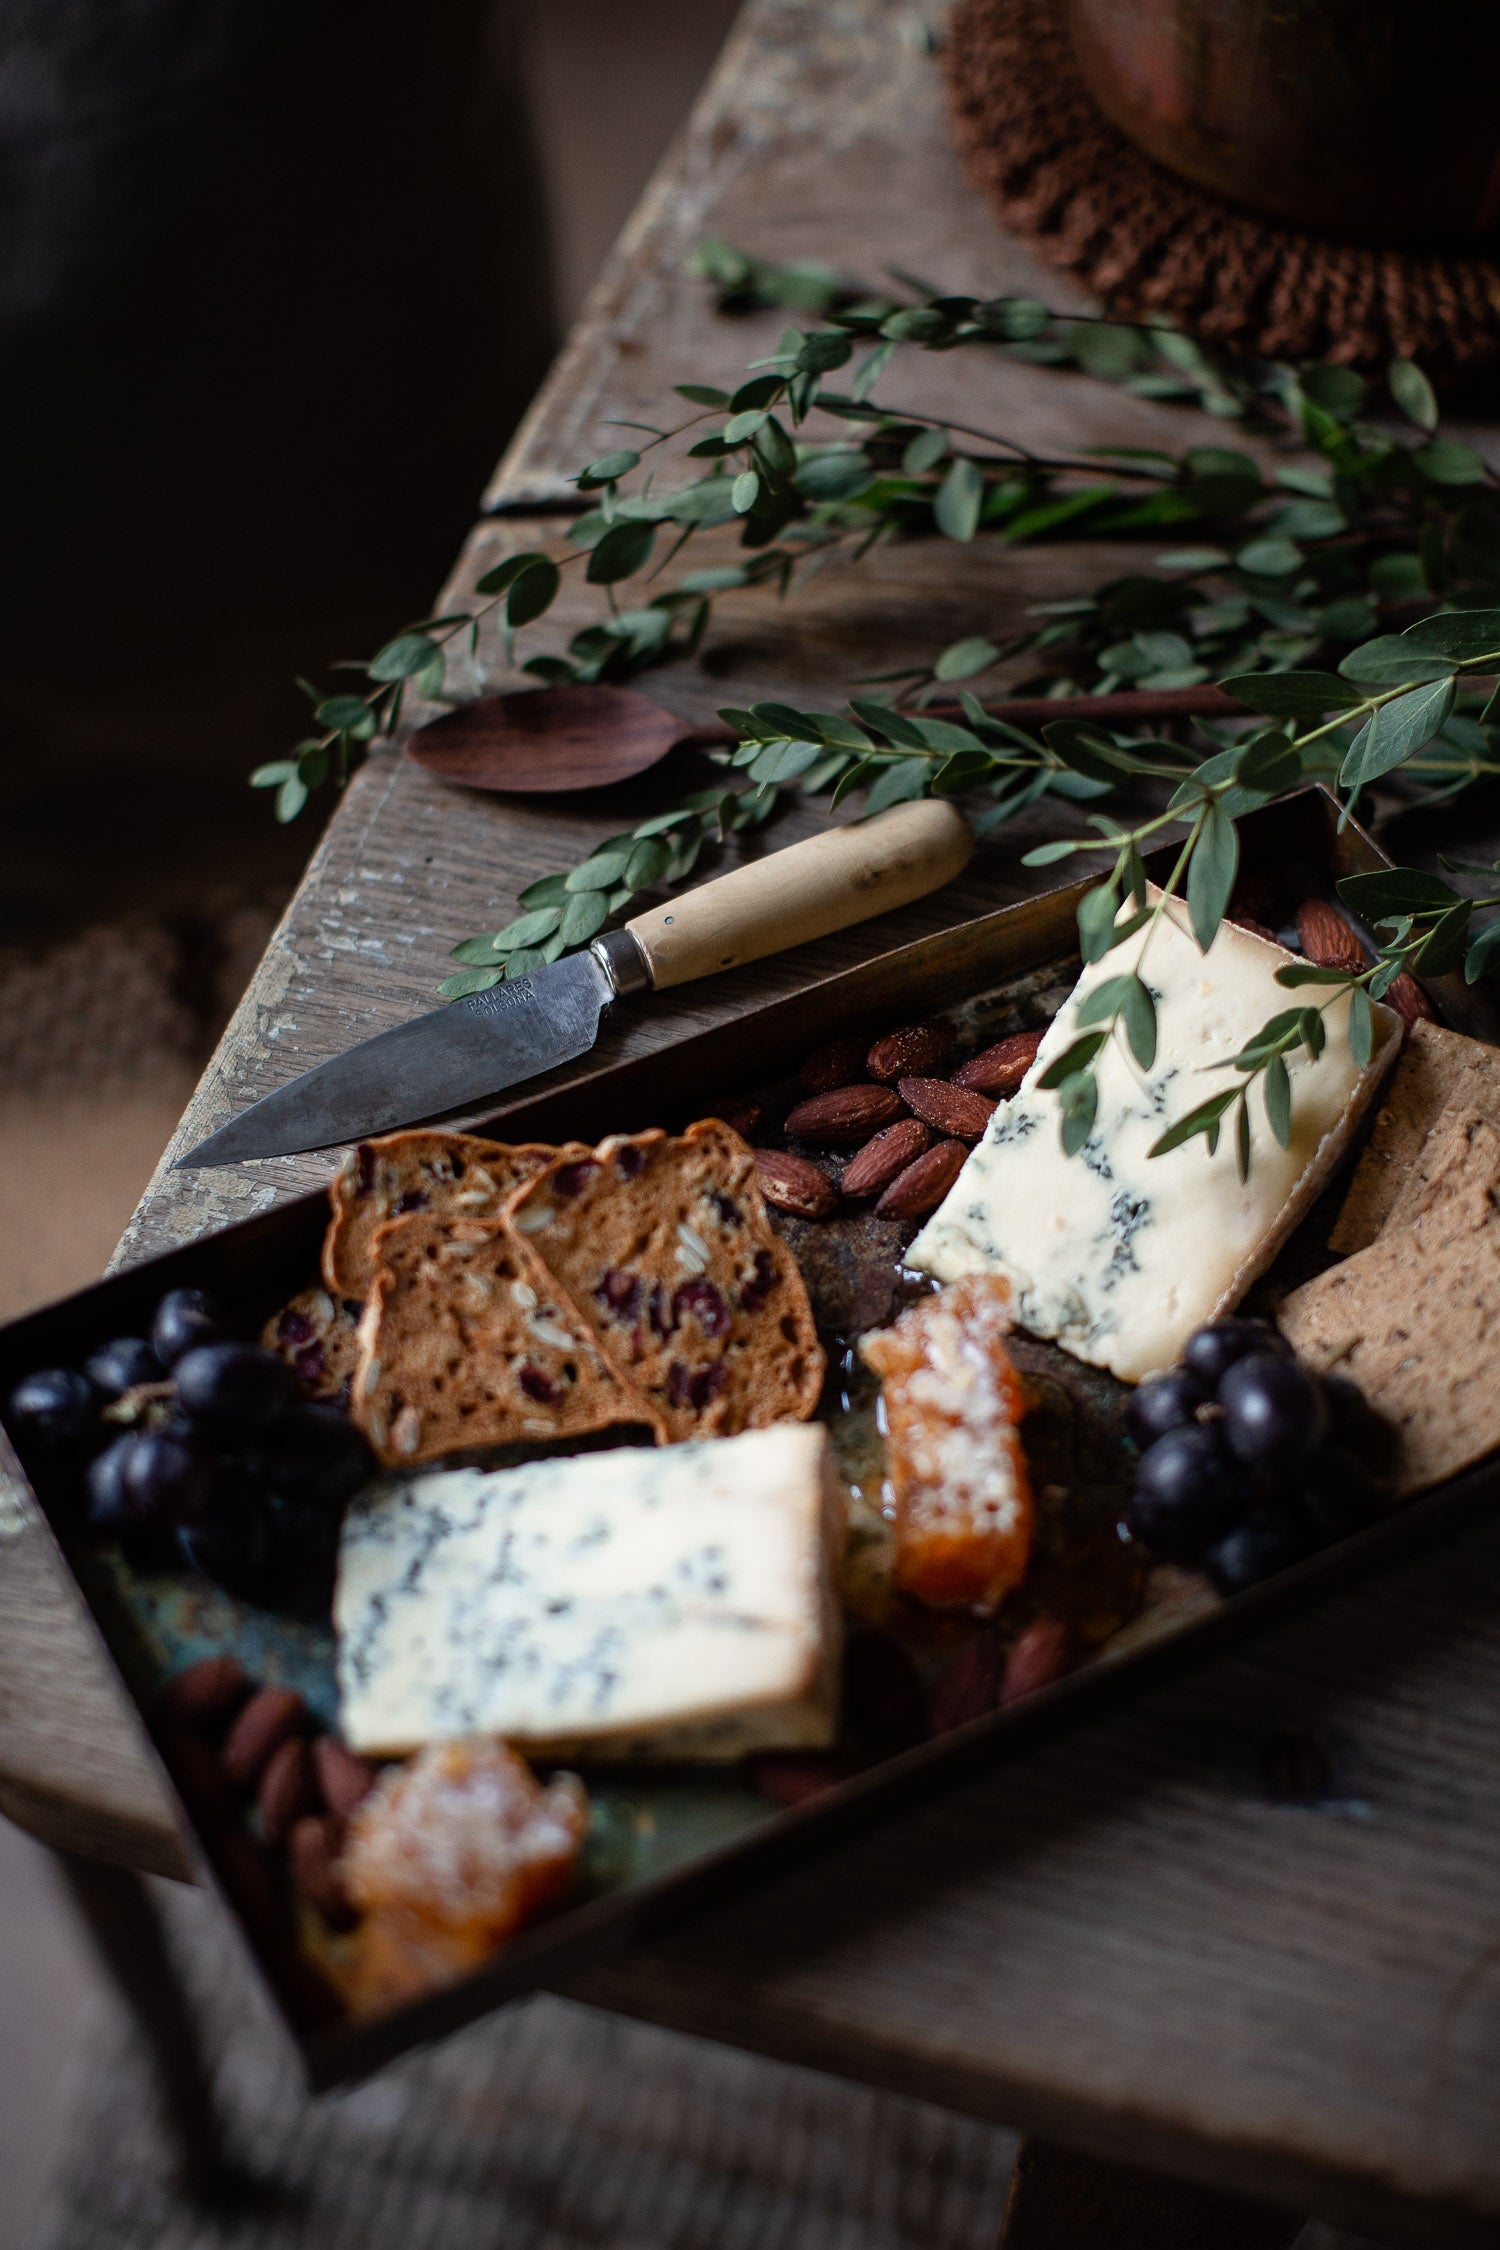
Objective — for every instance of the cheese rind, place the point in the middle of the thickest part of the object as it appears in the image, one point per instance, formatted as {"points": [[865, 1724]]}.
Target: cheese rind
{"points": [[678, 1604], [1114, 1253]]}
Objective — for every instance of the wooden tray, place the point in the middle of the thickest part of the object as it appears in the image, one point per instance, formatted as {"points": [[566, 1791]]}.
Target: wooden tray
{"points": [[662, 1841]]}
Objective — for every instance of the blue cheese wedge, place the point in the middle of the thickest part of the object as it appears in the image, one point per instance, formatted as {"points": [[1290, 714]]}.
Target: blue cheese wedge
{"points": [[1119, 1255], [677, 1603]]}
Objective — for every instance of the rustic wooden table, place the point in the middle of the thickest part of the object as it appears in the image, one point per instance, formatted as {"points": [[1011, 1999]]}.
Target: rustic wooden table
{"points": [[1247, 1931]]}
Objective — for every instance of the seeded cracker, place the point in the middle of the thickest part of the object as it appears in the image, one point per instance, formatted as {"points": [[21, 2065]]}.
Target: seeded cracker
{"points": [[663, 1244], [1415, 1318], [1440, 1075], [317, 1336], [466, 1342], [455, 1175]]}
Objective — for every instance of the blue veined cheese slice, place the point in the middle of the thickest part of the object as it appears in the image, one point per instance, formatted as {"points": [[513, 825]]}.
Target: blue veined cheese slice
{"points": [[676, 1603], [1119, 1255]]}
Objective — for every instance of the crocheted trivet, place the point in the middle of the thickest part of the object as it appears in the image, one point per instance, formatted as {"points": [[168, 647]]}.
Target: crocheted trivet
{"points": [[1147, 242]]}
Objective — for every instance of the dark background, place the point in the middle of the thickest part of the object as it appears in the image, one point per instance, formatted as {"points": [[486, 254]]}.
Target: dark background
{"points": [[276, 280], [245, 413]]}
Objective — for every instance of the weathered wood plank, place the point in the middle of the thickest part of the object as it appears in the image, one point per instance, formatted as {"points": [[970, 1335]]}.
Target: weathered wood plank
{"points": [[821, 135], [1246, 1932], [1125, 1942]]}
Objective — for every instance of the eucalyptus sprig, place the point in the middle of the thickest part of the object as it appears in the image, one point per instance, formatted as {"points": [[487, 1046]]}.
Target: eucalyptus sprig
{"points": [[1312, 557], [1429, 923], [1306, 570]]}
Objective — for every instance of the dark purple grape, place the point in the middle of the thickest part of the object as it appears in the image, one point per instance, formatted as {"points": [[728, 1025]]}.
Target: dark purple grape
{"points": [[1338, 1493], [1187, 1493], [144, 1540], [184, 1317], [234, 1389], [314, 1453], [110, 1509], [1162, 1403], [1210, 1352], [117, 1367], [1270, 1539], [232, 1544], [55, 1410], [168, 1478], [1273, 1412]]}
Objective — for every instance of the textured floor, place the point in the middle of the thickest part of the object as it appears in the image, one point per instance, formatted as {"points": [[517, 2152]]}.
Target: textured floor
{"points": [[549, 2128]]}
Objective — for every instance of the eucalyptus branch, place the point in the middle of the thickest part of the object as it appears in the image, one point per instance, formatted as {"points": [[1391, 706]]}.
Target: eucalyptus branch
{"points": [[1314, 556], [1300, 569]]}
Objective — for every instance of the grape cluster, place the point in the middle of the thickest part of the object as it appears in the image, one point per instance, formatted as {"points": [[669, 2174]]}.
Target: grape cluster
{"points": [[1249, 1462], [229, 1467]]}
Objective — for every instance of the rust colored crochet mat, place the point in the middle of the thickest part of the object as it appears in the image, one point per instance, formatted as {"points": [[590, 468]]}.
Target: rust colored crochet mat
{"points": [[1058, 173]]}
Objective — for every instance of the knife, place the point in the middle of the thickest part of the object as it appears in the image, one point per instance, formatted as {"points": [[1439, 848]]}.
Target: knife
{"points": [[456, 1056]]}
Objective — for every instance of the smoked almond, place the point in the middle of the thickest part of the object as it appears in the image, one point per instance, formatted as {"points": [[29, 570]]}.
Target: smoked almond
{"points": [[793, 1183], [840, 1063], [270, 1718], [999, 1069], [286, 1790], [954, 1110], [207, 1693], [1410, 1001], [344, 1781], [922, 1186], [915, 1050], [878, 1162], [844, 1116], [741, 1117], [1326, 938], [1038, 1656]]}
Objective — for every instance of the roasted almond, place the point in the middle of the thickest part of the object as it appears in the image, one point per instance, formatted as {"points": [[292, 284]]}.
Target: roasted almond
{"points": [[878, 1162], [207, 1693], [1326, 938], [1410, 1001], [789, 1780], [968, 1687], [951, 1109], [840, 1063], [844, 1116], [1038, 1656], [916, 1050], [269, 1718], [740, 1117], [922, 1186], [1000, 1069], [286, 1790], [1256, 929], [794, 1184], [344, 1780]]}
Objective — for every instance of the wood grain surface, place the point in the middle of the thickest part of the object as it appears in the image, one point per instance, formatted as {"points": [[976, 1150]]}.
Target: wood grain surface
{"points": [[1250, 1930]]}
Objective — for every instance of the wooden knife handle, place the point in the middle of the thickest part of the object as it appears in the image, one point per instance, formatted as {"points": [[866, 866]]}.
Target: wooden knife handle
{"points": [[824, 883]]}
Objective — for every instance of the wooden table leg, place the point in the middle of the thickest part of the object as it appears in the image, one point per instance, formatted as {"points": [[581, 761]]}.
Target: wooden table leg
{"points": [[126, 1929], [1062, 2201]]}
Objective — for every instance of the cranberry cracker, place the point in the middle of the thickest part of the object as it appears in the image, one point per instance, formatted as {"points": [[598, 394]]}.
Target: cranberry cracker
{"points": [[664, 1246], [317, 1335], [456, 1175], [466, 1342]]}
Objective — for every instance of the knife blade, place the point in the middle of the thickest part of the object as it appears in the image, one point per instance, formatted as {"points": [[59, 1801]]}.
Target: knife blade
{"points": [[441, 1061], [457, 1056]]}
